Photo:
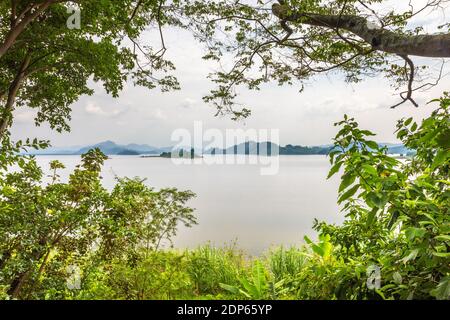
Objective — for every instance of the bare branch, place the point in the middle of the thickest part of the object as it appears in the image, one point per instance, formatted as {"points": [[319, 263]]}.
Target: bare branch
{"points": [[409, 92]]}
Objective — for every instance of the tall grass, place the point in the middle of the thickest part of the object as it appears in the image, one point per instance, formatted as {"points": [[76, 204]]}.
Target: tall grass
{"points": [[206, 272], [286, 263], [209, 266]]}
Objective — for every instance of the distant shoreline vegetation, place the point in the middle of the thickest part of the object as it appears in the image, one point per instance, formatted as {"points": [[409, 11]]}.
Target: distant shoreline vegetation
{"points": [[269, 148], [180, 154], [249, 148]]}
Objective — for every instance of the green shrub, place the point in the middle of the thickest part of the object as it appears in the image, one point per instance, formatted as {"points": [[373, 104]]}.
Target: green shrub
{"points": [[47, 228], [397, 212], [209, 266], [286, 263], [160, 275]]}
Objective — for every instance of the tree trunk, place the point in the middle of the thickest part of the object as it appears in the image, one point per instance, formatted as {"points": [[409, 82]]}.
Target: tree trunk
{"points": [[433, 45], [4, 258], [15, 289], [6, 112], [18, 28]]}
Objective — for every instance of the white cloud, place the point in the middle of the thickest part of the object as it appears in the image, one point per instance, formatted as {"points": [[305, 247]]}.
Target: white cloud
{"points": [[303, 118], [188, 103], [25, 116], [94, 109], [156, 114]]}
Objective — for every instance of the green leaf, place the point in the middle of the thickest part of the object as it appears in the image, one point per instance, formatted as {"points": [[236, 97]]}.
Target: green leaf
{"points": [[346, 181], [245, 294], [402, 133], [367, 133], [349, 193], [408, 121], [442, 254], [375, 200], [397, 277], [371, 216], [442, 290], [259, 278], [307, 240], [372, 145], [370, 170], [318, 250], [443, 140], [412, 233], [411, 255], [443, 237], [247, 286], [229, 288], [335, 168], [440, 158]]}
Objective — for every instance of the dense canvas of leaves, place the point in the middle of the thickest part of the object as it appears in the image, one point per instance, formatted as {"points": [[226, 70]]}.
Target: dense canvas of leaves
{"points": [[45, 229], [397, 219], [290, 41], [46, 65], [397, 211]]}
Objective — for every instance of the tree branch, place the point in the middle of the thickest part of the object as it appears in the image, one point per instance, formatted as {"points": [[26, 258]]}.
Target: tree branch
{"points": [[434, 45], [410, 84]]}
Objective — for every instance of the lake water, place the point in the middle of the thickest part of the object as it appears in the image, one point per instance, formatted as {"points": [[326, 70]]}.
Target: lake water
{"points": [[235, 202]]}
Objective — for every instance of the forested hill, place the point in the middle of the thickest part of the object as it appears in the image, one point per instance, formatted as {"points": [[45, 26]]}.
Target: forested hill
{"points": [[269, 148], [261, 148]]}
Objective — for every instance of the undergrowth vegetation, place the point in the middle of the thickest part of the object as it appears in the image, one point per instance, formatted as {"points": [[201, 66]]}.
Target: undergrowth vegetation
{"points": [[77, 240]]}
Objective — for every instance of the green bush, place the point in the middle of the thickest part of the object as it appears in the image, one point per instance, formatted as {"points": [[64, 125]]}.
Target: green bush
{"points": [[209, 266], [46, 229], [286, 263], [160, 275], [397, 219], [397, 211]]}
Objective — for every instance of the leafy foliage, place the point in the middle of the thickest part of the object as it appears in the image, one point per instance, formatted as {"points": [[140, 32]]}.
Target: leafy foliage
{"points": [[44, 229], [290, 41], [48, 65], [396, 219], [397, 211]]}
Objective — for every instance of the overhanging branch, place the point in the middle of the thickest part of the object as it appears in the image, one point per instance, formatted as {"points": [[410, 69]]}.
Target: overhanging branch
{"points": [[433, 45]]}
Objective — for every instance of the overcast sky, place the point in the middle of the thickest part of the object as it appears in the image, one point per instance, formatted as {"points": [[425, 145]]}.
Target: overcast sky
{"points": [[148, 116]]}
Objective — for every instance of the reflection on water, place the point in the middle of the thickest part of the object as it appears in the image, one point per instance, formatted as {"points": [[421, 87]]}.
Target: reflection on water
{"points": [[235, 202]]}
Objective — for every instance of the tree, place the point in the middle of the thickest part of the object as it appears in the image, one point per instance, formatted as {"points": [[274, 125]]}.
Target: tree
{"points": [[46, 65], [294, 40], [397, 211], [46, 228]]}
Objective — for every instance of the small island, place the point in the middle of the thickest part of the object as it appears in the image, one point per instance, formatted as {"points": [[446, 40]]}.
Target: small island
{"points": [[128, 152], [180, 154], [176, 154]]}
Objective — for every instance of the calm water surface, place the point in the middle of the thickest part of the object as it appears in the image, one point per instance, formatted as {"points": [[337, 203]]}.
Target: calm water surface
{"points": [[235, 202]]}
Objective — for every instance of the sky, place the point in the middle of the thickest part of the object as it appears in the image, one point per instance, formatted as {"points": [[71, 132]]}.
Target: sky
{"points": [[147, 116]]}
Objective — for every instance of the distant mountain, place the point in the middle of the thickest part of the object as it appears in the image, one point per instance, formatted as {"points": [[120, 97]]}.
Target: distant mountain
{"points": [[107, 147], [127, 152], [182, 153], [298, 150], [56, 151], [269, 148], [259, 148], [111, 148], [397, 148], [141, 148]]}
